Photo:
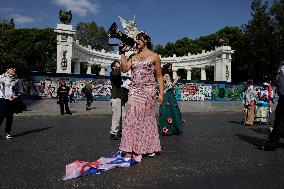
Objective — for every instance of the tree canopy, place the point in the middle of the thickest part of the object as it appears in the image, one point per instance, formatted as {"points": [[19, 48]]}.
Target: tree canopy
{"points": [[93, 35]]}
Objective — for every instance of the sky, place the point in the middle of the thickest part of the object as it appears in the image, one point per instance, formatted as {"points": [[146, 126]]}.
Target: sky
{"points": [[164, 20]]}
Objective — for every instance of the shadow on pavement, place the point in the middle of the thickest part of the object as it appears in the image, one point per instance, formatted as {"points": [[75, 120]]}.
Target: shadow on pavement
{"points": [[32, 131], [29, 102], [265, 131], [237, 122], [255, 141]]}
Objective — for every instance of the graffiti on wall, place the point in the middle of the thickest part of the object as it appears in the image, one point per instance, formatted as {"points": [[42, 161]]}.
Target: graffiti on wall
{"points": [[193, 91], [201, 91], [46, 87]]}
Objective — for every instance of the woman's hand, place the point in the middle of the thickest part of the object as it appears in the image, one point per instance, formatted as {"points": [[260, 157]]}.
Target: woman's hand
{"points": [[177, 78], [122, 48]]}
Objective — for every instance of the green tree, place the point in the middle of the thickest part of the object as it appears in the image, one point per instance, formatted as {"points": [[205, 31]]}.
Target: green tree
{"points": [[185, 45], [181, 47], [277, 12], [169, 49], [5, 27], [159, 49], [195, 74], [93, 35], [258, 43], [208, 42], [32, 49]]}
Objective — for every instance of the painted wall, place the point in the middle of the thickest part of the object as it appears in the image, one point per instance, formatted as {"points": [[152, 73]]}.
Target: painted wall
{"points": [[46, 87], [201, 91]]}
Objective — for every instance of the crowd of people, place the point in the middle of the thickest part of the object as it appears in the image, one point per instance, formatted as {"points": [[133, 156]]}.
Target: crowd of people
{"points": [[257, 103], [257, 108]]}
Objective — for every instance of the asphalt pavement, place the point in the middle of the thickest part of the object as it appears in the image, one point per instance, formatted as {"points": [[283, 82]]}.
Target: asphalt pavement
{"points": [[215, 151]]}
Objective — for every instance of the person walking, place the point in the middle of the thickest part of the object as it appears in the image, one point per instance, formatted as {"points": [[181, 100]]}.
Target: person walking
{"points": [[89, 94], [278, 129], [71, 93], [62, 95], [10, 90], [140, 132]]}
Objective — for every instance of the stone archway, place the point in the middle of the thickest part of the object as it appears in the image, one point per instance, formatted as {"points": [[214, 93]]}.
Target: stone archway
{"points": [[69, 50], [209, 72], [195, 74]]}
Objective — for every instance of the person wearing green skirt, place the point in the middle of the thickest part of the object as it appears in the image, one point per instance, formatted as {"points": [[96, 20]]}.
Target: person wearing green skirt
{"points": [[170, 118]]}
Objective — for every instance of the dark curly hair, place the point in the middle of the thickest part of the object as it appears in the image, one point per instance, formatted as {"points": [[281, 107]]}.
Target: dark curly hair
{"points": [[167, 69], [146, 37], [113, 64]]}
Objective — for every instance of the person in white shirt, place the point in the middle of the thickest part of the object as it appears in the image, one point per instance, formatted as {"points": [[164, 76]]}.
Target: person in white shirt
{"points": [[248, 102], [9, 91]]}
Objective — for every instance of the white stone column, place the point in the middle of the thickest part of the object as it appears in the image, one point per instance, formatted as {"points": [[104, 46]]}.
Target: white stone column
{"points": [[222, 67], [174, 74], [77, 67], [188, 76], [203, 73], [65, 35], [222, 70], [89, 69], [219, 70], [102, 72], [228, 72]]}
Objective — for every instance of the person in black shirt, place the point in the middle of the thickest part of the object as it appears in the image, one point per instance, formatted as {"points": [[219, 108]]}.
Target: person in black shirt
{"points": [[278, 130], [62, 95]]}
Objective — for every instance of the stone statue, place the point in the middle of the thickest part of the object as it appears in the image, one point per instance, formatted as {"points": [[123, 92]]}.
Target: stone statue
{"points": [[223, 41], [65, 17], [129, 27]]}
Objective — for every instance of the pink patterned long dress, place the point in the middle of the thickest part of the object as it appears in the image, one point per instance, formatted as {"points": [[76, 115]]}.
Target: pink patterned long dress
{"points": [[140, 132]]}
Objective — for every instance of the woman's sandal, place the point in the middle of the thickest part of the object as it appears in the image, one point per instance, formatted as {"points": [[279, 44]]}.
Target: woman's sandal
{"points": [[128, 155]]}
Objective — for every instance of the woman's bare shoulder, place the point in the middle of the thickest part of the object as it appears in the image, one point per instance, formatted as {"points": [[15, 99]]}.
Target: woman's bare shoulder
{"points": [[154, 56]]}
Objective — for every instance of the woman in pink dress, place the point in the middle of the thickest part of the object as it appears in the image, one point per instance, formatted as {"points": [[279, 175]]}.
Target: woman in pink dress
{"points": [[140, 132]]}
